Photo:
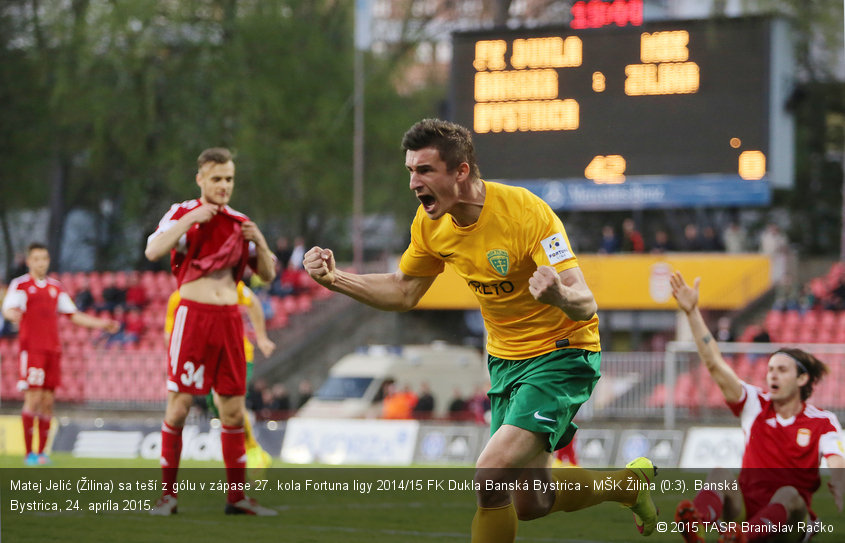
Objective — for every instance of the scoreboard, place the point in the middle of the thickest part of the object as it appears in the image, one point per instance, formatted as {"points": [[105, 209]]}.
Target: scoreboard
{"points": [[667, 114]]}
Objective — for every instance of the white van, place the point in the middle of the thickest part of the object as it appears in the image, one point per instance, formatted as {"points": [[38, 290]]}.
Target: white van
{"points": [[355, 385]]}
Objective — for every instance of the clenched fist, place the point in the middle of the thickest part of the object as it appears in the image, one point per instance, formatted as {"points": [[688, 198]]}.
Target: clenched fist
{"points": [[320, 265], [546, 287]]}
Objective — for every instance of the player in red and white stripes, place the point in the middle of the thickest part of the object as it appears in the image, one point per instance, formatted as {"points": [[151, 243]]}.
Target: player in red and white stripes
{"points": [[785, 440], [34, 302], [210, 245]]}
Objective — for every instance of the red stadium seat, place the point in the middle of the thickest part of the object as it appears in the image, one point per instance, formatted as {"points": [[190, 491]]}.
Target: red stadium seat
{"points": [[773, 321]]}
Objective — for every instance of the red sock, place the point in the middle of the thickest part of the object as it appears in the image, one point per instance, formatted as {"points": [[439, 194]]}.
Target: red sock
{"points": [[43, 432], [171, 450], [708, 505], [234, 456], [773, 514], [28, 429]]}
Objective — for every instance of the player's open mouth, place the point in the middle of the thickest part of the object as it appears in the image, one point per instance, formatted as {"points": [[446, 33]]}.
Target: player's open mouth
{"points": [[427, 201]]}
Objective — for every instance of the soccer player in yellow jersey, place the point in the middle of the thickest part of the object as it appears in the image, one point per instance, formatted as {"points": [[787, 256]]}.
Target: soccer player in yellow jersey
{"points": [[540, 315], [256, 457]]}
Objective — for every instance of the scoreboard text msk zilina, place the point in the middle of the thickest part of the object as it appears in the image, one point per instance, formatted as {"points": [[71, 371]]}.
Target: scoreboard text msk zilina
{"points": [[669, 113]]}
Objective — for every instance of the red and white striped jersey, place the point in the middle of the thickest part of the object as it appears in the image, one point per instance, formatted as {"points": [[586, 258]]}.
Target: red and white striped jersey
{"points": [[40, 301], [784, 452], [215, 245]]}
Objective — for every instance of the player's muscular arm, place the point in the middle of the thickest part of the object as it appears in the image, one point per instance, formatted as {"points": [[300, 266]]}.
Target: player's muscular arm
{"points": [[266, 260], [724, 376], [566, 290], [386, 291], [161, 244]]}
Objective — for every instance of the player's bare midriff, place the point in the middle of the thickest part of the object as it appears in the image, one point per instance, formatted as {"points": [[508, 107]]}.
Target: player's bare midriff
{"points": [[216, 288]]}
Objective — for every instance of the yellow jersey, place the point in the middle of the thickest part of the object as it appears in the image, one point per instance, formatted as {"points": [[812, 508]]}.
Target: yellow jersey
{"points": [[515, 233], [243, 299]]}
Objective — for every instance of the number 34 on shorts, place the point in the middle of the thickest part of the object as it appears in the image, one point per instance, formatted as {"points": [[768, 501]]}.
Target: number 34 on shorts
{"points": [[192, 375]]}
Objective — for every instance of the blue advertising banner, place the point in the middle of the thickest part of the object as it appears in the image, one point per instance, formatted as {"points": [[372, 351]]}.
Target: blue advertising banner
{"points": [[649, 192]]}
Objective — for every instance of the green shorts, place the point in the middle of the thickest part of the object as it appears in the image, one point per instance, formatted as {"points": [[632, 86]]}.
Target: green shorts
{"points": [[542, 394]]}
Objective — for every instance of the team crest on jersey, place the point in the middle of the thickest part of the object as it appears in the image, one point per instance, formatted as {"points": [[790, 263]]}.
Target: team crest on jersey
{"points": [[803, 438], [500, 261], [53, 292]]}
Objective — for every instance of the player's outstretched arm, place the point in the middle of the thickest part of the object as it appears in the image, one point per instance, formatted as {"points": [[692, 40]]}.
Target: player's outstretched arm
{"points": [[724, 376], [566, 290], [386, 291], [836, 484], [83, 319]]}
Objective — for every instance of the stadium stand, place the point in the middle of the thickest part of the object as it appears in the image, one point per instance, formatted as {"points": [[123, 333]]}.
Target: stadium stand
{"points": [[131, 375], [821, 322]]}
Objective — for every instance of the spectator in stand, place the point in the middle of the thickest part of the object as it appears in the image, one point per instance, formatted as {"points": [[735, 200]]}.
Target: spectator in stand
{"points": [[297, 253], [296, 276], [285, 284], [661, 244], [609, 243], [398, 404], [283, 251], [774, 244], [113, 294], [84, 299], [305, 391], [134, 326], [787, 294], [762, 336], [692, 241], [458, 406], [425, 403], [710, 241], [632, 240], [734, 238], [255, 395], [723, 330], [281, 398], [807, 299], [835, 299], [479, 405], [136, 294]]}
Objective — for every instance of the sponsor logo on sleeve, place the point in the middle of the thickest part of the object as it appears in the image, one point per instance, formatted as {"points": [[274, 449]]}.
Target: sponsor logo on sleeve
{"points": [[556, 248]]}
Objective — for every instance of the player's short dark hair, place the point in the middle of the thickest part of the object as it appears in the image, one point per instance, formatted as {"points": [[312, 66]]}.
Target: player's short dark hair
{"points": [[452, 141], [35, 245], [220, 155], [806, 363]]}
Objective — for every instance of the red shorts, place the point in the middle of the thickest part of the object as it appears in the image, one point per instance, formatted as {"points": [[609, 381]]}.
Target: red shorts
{"points": [[759, 485], [40, 369], [207, 350]]}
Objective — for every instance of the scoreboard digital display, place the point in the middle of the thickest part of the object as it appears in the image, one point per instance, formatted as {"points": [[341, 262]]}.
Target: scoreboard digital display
{"points": [[669, 113]]}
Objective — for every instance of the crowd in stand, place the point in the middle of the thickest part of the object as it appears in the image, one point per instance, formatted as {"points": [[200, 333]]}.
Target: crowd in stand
{"points": [[403, 403], [734, 238]]}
